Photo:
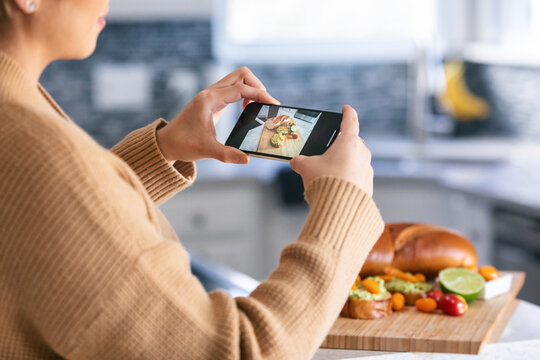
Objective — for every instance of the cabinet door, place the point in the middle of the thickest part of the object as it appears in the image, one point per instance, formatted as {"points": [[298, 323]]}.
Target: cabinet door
{"points": [[417, 200], [517, 247], [514, 257], [473, 217], [220, 221], [411, 200]]}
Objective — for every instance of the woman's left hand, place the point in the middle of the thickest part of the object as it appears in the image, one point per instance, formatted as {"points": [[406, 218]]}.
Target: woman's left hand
{"points": [[191, 135]]}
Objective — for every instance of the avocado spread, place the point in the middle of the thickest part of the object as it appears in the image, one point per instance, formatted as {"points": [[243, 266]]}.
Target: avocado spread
{"points": [[362, 294], [398, 285]]}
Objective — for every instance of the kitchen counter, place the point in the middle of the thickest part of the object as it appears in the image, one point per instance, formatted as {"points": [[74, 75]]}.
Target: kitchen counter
{"points": [[508, 184], [503, 184], [520, 340], [512, 185]]}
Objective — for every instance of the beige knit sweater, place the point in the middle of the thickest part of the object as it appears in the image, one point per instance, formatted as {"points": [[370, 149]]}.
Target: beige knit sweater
{"points": [[91, 269]]}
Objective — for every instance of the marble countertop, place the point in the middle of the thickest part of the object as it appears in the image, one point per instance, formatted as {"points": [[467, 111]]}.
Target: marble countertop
{"points": [[520, 340]]}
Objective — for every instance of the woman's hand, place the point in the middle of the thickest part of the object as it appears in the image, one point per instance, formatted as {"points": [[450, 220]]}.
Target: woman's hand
{"points": [[347, 158], [191, 135]]}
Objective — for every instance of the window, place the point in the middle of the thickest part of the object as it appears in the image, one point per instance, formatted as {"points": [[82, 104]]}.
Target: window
{"points": [[492, 31], [339, 30]]}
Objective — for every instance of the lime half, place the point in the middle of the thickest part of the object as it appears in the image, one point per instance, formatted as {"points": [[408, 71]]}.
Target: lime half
{"points": [[461, 281]]}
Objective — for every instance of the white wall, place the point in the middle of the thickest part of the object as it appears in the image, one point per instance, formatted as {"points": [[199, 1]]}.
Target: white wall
{"points": [[160, 9]]}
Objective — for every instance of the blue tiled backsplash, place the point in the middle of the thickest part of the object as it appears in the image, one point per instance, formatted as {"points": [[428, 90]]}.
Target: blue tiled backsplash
{"points": [[513, 93], [157, 49], [166, 63]]}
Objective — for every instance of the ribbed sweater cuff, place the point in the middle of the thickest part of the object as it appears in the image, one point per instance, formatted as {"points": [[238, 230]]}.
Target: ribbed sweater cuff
{"points": [[340, 211], [140, 150]]}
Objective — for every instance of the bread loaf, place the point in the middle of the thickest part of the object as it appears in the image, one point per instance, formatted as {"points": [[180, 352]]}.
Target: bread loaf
{"points": [[419, 248]]}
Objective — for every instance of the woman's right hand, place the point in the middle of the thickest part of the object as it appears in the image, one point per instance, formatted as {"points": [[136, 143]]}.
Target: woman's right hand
{"points": [[348, 157], [191, 135]]}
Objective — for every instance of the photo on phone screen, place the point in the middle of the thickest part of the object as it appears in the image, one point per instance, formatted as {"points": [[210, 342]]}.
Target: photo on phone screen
{"points": [[282, 132]]}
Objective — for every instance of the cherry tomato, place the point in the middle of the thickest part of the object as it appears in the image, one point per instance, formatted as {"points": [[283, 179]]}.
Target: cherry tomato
{"points": [[398, 301], [489, 272], [426, 304], [452, 304], [435, 295]]}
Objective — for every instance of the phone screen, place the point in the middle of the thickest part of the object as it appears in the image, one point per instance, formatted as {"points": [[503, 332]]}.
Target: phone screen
{"points": [[282, 132]]}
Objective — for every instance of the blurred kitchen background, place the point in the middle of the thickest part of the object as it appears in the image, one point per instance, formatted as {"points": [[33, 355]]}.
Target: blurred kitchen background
{"points": [[448, 96]]}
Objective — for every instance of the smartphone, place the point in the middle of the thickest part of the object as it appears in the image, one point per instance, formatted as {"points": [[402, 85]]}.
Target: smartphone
{"points": [[282, 132]]}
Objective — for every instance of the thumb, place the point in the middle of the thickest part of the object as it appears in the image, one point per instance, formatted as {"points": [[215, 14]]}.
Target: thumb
{"points": [[350, 121], [228, 154], [298, 163]]}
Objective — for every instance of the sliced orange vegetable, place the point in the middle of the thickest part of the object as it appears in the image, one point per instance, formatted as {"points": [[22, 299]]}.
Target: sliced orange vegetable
{"points": [[391, 271], [408, 277], [400, 274], [489, 272], [356, 282], [420, 277], [398, 301], [386, 278], [372, 286], [426, 305]]}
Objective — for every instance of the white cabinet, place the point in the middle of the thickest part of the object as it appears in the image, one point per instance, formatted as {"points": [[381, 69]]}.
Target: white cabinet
{"points": [[419, 200], [242, 223], [221, 221], [283, 225], [411, 200], [473, 217], [238, 223]]}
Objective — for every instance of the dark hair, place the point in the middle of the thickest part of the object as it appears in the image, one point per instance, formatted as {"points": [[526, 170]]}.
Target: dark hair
{"points": [[4, 10]]}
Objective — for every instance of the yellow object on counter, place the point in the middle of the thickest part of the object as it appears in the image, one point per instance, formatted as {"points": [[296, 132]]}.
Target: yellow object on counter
{"points": [[457, 99]]}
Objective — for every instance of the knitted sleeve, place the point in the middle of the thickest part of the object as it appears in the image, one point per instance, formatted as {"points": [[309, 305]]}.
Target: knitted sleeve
{"points": [[158, 310], [95, 279], [139, 149]]}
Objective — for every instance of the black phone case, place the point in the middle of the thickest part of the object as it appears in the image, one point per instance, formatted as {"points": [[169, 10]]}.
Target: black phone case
{"points": [[322, 135]]}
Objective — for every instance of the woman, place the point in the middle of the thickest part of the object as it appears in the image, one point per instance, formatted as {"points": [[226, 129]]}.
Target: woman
{"points": [[89, 266]]}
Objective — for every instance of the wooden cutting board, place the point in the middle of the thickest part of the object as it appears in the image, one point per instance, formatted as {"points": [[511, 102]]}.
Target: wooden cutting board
{"points": [[290, 148], [412, 330]]}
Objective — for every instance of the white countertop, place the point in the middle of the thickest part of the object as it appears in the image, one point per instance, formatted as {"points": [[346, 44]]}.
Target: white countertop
{"points": [[513, 185], [520, 340]]}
